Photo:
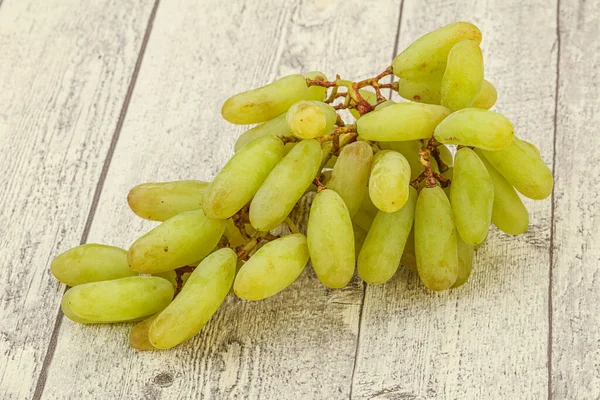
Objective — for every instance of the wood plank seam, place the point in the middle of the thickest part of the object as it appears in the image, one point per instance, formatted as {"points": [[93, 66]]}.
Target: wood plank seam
{"points": [[41, 382]]}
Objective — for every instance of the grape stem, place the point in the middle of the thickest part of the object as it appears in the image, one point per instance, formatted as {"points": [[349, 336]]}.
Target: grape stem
{"points": [[179, 272], [433, 145], [319, 185]]}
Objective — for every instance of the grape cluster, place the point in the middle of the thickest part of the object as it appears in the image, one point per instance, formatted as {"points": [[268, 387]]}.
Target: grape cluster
{"points": [[384, 190]]}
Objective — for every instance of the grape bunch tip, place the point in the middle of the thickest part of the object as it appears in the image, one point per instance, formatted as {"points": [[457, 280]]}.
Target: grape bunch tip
{"points": [[384, 190]]}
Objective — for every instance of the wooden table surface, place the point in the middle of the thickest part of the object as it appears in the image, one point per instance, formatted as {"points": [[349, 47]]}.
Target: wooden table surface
{"points": [[99, 96]]}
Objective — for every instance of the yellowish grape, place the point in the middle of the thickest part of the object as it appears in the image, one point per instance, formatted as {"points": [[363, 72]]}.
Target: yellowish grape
{"points": [[309, 119], [138, 338], [422, 91], [389, 181], [277, 126], [487, 96], [465, 262], [463, 76]]}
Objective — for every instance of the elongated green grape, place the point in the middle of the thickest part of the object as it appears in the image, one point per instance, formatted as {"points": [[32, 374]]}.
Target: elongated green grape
{"points": [[369, 96], [523, 169], [435, 240], [389, 181], [380, 255], [476, 127], [309, 119], [233, 234], [242, 176], [428, 55], [162, 200], [272, 268], [532, 147], [368, 207], [409, 259], [91, 263], [508, 212], [472, 197], [316, 92], [285, 185], [117, 300], [426, 91], [177, 242], [487, 96], [351, 173], [465, 262], [359, 238], [401, 122], [463, 76], [385, 104], [410, 151], [277, 126], [199, 299], [267, 102], [363, 219], [138, 337], [330, 239]]}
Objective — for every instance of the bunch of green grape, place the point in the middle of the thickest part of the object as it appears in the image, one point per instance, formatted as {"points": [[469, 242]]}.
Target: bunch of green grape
{"points": [[384, 190]]}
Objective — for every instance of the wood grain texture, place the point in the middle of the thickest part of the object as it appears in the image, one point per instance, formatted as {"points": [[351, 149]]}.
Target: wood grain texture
{"points": [[576, 252], [65, 69], [301, 343], [488, 339]]}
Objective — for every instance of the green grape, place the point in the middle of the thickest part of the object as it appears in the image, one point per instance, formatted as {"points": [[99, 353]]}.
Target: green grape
{"points": [[277, 126], [369, 96], [463, 76], [532, 147], [363, 219], [91, 263], [330, 239], [118, 300], [435, 240], [359, 238], [177, 242], [284, 186], [410, 150], [385, 104], [409, 259], [380, 255], [350, 175], [476, 127], [486, 97], [288, 147], [267, 102], [163, 200], [523, 169], [309, 119], [199, 299], [241, 177], [401, 122], [138, 338], [422, 91], [427, 56], [274, 267], [508, 212], [465, 262], [316, 92], [233, 234], [472, 197], [479, 245], [389, 181]]}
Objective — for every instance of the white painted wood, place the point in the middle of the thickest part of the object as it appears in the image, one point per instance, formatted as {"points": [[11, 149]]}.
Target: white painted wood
{"points": [[487, 340], [64, 71], [576, 279], [301, 343]]}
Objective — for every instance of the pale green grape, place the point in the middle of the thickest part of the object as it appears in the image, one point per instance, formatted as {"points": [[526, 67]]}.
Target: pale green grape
{"points": [[267, 102], [523, 169], [368, 207], [117, 300], [532, 147], [277, 126], [472, 197], [486, 97], [463, 76], [363, 220], [369, 96], [410, 150], [359, 238], [351, 173], [284, 186], [288, 147], [91, 263], [465, 262], [272, 268], [177, 242], [422, 91], [241, 177], [199, 299], [427, 56], [309, 119], [476, 127], [508, 212], [435, 239], [138, 337], [163, 200], [389, 181], [233, 234], [330, 239], [316, 92], [401, 122], [409, 259], [380, 255]]}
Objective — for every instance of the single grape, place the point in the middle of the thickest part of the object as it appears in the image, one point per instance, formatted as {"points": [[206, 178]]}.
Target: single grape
{"points": [[463, 76], [272, 268], [380, 255], [422, 91], [316, 92], [533, 148], [487, 96], [409, 259], [476, 127], [410, 151], [284, 186], [118, 300], [199, 299], [465, 262], [435, 240], [177, 242], [277, 126], [309, 119], [138, 337], [359, 238], [241, 177], [389, 181], [330, 239], [91, 263]]}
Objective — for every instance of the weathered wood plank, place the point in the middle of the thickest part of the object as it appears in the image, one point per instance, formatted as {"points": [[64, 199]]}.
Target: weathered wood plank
{"points": [[66, 67], [299, 344], [576, 250], [489, 339]]}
